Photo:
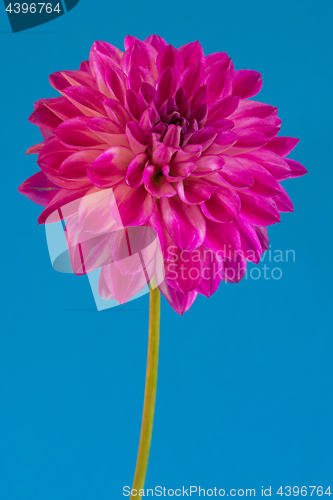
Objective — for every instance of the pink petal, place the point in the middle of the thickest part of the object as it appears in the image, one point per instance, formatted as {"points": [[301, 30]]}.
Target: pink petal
{"points": [[169, 56], [246, 83], [110, 167], [180, 302], [135, 103], [184, 272], [264, 183], [185, 223], [248, 140], [94, 213], [135, 170], [220, 83], [263, 238], [65, 204], [192, 53], [167, 83], [162, 154], [39, 189], [282, 146], [76, 134], [44, 117], [128, 200], [123, 287], [253, 108], [250, 243], [178, 171], [195, 191], [208, 164], [116, 111], [283, 202], [156, 41], [139, 55], [200, 97], [296, 168], [109, 131], [223, 206], [223, 141], [193, 78], [234, 269], [235, 173], [212, 270], [115, 80], [275, 165], [223, 238], [258, 210], [87, 100], [204, 137], [135, 138], [156, 184], [222, 108]]}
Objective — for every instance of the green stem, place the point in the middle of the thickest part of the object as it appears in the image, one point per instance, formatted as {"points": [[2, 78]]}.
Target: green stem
{"points": [[150, 391]]}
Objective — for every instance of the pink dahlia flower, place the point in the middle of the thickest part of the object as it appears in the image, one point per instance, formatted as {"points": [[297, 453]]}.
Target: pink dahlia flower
{"points": [[167, 140]]}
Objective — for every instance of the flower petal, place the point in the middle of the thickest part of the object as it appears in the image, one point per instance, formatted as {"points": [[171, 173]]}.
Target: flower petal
{"points": [[258, 210], [185, 223], [223, 206], [246, 83]]}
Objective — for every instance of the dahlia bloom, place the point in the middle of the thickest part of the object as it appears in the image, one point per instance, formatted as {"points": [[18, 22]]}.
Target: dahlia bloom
{"points": [[165, 140]]}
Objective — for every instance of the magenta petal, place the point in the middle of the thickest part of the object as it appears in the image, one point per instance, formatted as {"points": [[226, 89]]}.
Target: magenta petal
{"points": [[223, 238], [282, 145], [212, 272], [190, 152], [167, 83], [116, 81], [44, 117], [264, 183], [253, 108], [235, 173], [128, 200], [135, 170], [87, 251], [220, 82], [110, 167], [157, 185], [258, 210], [156, 41], [185, 223], [117, 111], [63, 205], [94, 214], [222, 108], [234, 269], [138, 54], [246, 83], [263, 237], [150, 94], [250, 243], [76, 134], [135, 103], [224, 140], [39, 189], [275, 165], [109, 131], [135, 138], [180, 302], [178, 171], [123, 286], [169, 56], [223, 206], [283, 202], [248, 140], [200, 97], [296, 168], [192, 53], [195, 191], [184, 272], [88, 100], [207, 164], [162, 154], [193, 78], [172, 136], [204, 137]]}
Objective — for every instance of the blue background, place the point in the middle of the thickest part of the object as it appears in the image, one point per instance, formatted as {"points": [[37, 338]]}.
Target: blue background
{"points": [[245, 378]]}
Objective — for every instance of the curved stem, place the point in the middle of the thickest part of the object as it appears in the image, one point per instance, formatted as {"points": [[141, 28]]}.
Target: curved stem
{"points": [[150, 391]]}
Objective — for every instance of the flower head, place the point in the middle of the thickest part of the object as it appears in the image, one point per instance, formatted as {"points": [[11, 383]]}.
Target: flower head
{"points": [[173, 135]]}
